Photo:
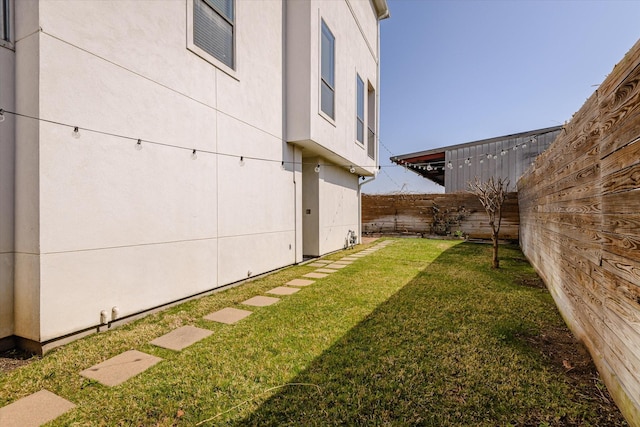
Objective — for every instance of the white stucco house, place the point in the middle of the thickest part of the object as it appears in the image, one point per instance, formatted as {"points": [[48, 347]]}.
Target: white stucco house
{"points": [[152, 151]]}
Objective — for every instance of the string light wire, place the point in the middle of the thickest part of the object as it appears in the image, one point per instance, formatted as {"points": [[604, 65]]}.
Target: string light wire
{"points": [[194, 152]]}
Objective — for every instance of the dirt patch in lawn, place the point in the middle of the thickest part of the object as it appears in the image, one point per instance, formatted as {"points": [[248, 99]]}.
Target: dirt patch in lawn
{"points": [[571, 358], [15, 358]]}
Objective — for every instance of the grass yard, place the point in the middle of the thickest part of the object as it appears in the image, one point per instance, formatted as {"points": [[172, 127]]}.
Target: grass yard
{"points": [[421, 332]]}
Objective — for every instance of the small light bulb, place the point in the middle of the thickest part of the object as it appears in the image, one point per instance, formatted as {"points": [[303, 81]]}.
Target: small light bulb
{"points": [[76, 132], [2, 116], [352, 169], [460, 167], [194, 154], [467, 160], [534, 139], [524, 145], [481, 160], [317, 168], [139, 145], [449, 165], [515, 148], [502, 153], [429, 167]]}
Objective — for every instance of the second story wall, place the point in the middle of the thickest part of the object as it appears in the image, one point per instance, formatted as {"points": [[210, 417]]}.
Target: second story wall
{"points": [[332, 132]]}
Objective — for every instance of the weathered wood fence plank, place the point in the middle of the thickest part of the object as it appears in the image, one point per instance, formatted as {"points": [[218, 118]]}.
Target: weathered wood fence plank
{"points": [[580, 228]]}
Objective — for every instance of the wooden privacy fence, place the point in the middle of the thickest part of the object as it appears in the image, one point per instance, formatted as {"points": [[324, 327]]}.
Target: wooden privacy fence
{"points": [[426, 214], [580, 228]]}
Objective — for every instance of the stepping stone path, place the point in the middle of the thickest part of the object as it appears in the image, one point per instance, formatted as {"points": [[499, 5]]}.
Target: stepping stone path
{"points": [[44, 406], [228, 315], [283, 290], [34, 410], [300, 282], [261, 301], [181, 338], [316, 275], [120, 368]]}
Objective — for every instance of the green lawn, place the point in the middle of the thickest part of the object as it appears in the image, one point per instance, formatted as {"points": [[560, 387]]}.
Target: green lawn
{"points": [[422, 332]]}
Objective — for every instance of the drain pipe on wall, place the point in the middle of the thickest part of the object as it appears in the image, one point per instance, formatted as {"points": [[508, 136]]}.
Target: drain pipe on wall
{"points": [[360, 184]]}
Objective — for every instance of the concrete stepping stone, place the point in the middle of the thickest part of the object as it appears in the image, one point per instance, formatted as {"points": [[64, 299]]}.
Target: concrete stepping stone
{"points": [[349, 258], [283, 290], [317, 264], [181, 338], [325, 270], [34, 410], [337, 266], [300, 282], [261, 301], [342, 262], [315, 275], [228, 315], [120, 368]]}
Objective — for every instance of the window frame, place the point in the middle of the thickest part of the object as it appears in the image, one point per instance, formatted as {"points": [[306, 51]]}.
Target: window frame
{"points": [[360, 127], [322, 81], [231, 71], [5, 33]]}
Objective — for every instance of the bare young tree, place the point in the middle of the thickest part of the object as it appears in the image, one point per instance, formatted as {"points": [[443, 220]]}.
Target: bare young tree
{"points": [[491, 194]]}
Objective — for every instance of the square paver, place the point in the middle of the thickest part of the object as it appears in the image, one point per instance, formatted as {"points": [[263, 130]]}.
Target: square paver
{"points": [[228, 315], [120, 368], [34, 410], [283, 290], [323, 261], [261, 301], [325, 270], [315, 275], [300, 282], [181, 338], [349, 258], [337, 266], [341, 262], [317, 264]]}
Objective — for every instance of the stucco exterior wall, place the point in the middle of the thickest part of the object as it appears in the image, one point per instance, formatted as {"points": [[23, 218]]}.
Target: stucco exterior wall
{"points": [[103, 222], [7, 182], [356, 53]]}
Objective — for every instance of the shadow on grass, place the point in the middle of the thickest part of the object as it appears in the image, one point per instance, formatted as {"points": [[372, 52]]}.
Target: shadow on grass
{"points": [[450, 348]]}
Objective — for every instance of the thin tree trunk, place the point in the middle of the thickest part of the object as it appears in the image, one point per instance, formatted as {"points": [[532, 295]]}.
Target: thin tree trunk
{"points": [[496, 261]]}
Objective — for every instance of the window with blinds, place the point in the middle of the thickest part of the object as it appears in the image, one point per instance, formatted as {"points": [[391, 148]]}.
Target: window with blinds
{"points": [[213, 29]]}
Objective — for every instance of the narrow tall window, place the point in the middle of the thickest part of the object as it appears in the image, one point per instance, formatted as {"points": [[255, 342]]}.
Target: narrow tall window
{"points": [[371, 125], [213, 29], [327, 72], [4, 20], [359, 110]]}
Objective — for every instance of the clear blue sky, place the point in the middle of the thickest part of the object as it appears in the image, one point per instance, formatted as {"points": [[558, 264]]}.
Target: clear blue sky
{"points": [[459, 71]]}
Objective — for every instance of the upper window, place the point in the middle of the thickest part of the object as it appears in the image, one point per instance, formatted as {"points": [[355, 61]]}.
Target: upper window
{"points": [[327, 71], [4, 20], [213, 29], [359, 110]]}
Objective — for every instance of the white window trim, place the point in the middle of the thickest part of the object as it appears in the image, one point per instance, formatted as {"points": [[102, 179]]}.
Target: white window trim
{"points": [[322, 114], [205, 55]]}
